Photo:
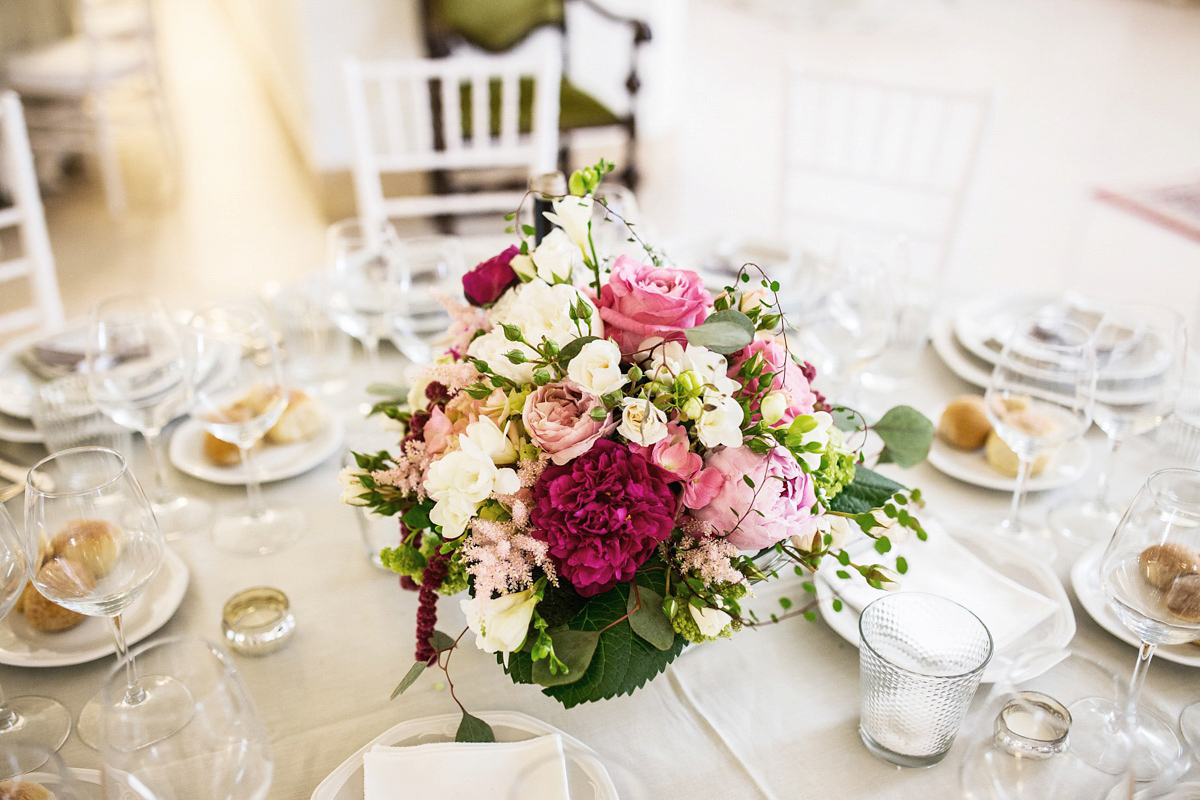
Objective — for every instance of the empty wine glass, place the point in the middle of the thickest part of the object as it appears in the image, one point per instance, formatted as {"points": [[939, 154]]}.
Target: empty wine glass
{"points": [[1150, 574], [141, 375], [219, 749], [367, 280], [93, 546], [1038, 397], [1189, 723], [240, 408], [432, 265], [27, 720], [30, 772], [1139, 371]]}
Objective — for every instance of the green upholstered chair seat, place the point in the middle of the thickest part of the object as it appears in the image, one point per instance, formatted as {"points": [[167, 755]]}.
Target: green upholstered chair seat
{"points": [[577, 108]]}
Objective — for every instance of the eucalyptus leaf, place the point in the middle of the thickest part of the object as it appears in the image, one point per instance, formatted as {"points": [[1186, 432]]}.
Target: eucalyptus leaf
{"points": [[387, 390], [724, 332], [649, 621], [907, 436], [441, 641], [573, 648], [414, 672], [473, 729]]}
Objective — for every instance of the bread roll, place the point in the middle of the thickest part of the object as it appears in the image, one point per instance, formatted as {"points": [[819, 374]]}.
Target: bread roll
{"points": [[1183, 598], [48, 616], [24, 790], [965, 423], [221, 452], [92, 543], [1001, 457], [66, 578], [1163, 563], [301, 420]]}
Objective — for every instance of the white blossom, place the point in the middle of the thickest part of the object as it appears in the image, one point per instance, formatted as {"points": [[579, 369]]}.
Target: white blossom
{"points": [[556, 257], [573, 214], [500, 624], [642, 422], [710, 621], [597, 368], [720, 422]]}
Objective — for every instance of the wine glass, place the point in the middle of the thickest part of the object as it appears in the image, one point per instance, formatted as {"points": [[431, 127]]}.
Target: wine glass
{"points": [[141, 375], [25, 767], [93, 546], [367, 280], [240, 408], [219, 748], [27, 720], [1039, 396], [1150, 574], [1189, 723], [1139, 371], [431, 265]]}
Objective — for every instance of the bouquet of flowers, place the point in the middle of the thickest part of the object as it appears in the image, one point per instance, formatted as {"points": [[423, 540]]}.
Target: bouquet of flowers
{"points": [[608, 456]]}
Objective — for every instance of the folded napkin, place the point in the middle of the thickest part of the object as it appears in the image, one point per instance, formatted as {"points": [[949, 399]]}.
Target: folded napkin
{"points": [[534, 769], [944, 567]]}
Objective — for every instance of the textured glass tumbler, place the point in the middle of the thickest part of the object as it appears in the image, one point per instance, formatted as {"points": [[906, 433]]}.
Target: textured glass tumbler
{"points": [[921, 658]]}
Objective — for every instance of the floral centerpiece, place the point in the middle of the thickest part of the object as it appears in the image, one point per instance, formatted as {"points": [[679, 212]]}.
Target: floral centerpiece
{"points": [[608, 456]]}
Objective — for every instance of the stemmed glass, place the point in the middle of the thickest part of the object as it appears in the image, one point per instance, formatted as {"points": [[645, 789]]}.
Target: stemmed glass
{"points": [[1189, 723], [141, 375], [1139, 371], [1038, 397], [23, 767], [430, 264], [1150, 574], [367, 280], [240, 408], [32, 720], [219, 749], [93, 546]]}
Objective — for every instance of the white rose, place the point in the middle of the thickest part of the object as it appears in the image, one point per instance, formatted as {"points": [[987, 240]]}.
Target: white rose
{"points": [[887, 526], [523, 266], [574, 215], [500, 624], [774, 406], [539, 309], [663, 360], [642, 421], [710, 621], [492, 347], [487, 436], [468, 475], [452, 517], [721, 421], [755, 298], [814, 538], [556, 257], [351, 486], [889, 581], [597, 367]]}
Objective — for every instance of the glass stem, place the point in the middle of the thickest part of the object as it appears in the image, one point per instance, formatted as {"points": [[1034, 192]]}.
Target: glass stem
{"points": [[8, 717], [1139, 677], [1102, 482], [134, 694], [158, 461], [370, 343], [253, 486], [1024, 469]]}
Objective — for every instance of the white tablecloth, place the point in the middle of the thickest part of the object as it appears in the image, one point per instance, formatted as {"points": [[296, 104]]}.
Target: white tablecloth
{"points": [[771, 713]]}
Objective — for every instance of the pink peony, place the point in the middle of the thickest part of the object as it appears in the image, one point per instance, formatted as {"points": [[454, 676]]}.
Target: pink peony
{"points": [[602, 515], [778, 506], [789, 376], [484, 284], [558, 418], [640, 301]]}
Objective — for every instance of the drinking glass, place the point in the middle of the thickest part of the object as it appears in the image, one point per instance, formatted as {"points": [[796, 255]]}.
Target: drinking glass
{"points": [[142, 375], [1150, 574], [25, 764], [218, 750], [93, 546], [66, 416], [28, 720], [240, 408], [367, 280], [316, 350], [431, 265], [1038, 397], [1189, 723], [921, 658], [1139, 372]]}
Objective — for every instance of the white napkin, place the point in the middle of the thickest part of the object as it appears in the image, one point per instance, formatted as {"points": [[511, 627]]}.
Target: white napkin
{"points": [[534, 769], [944, 567]]}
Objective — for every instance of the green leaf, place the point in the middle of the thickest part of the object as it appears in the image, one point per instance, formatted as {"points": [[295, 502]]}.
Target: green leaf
{"points": [[837, 604], [387, 390], [473, 729], [573, 648], [846, 419], [649, 621], [901, 565], [868, 490], [573, 347], [414, 672], [724, 332], [785, 602], [441, 641], [907, 436]]}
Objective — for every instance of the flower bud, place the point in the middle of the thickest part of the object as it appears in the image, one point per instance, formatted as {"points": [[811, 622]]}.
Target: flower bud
{"points": [[689, 383], [774, 406], [693, 408]]}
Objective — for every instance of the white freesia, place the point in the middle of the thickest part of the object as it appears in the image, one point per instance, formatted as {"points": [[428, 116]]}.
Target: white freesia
{"points": [[838, 528], [462, 479], [710, 621], [818, 435], [662, 360], [452, 517], [487, 436], [351, 486], [556, 257], [573, 214], [720, 422], [523, 266], [597, 367], [774, 406], [642, 421], [712, 368], [500, 623]]}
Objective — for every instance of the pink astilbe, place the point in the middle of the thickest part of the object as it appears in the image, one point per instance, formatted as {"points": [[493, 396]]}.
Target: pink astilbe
{"points": [[408, 476], [710, 558], [502, 559], [465, 320], [529, 470], [453, 377]]}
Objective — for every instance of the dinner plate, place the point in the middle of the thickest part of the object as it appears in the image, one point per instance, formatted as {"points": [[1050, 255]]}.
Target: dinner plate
{"points": [[1066, 466], [961, 362], [1085, 578], [21, 645], [587, 779], [17, 386], [18, 429], [275, 462], [1011, 564]]}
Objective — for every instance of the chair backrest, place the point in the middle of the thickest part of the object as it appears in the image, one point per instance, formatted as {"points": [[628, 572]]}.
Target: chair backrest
{"points": [[496, 26], [872, 157], [35, 264], [451, 114]]}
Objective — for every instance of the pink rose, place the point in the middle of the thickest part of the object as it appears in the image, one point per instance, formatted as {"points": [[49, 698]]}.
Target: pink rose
{"points": [[778, 506], [437, 432], [558, 418], [640, 301], [789, 377], [673, 455], [484, 284]]}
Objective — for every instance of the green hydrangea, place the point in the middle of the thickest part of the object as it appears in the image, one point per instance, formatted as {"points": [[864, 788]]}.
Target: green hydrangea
{"points": [[408, 560], [836, 472], [685, 625]]}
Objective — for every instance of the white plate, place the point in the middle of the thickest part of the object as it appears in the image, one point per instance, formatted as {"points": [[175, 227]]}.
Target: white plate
{"points": [[587, 779], [86, 780], [970, 368], [17, 385], [969, 466], [275, 462], [1056, 631], [21, 645], [18, 429], [1085, 578]]}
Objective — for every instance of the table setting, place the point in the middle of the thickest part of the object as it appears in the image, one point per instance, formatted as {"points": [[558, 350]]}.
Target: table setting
{"points": [[575, 524]]}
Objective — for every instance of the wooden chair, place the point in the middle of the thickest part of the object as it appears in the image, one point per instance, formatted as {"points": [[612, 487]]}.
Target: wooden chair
{"points": [[498, 26], [35, 263], [463, 113]]}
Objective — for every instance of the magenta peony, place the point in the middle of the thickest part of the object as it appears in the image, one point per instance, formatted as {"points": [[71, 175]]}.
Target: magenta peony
{"points": [[789, 376], [484, 284], [602, 515], [558, 417], [775, 508], [640, 301]]}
